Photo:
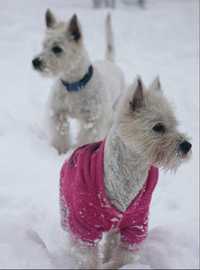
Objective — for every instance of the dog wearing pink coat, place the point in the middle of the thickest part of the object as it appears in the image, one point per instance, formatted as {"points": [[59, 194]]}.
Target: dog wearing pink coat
{"points": [[106, 187]]}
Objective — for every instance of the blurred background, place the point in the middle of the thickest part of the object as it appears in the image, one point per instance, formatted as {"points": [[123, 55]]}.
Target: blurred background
{"points": [[151, 37]]}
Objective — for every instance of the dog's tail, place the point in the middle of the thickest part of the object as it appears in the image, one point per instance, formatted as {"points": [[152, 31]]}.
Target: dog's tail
{"points": [[110, 50]]}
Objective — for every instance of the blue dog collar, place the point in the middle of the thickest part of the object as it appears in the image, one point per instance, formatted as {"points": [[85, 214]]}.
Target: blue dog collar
{"points": [[77, 86]]}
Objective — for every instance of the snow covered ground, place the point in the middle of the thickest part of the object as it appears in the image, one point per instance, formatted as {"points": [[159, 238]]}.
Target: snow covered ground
{"points": [[161, 39]]}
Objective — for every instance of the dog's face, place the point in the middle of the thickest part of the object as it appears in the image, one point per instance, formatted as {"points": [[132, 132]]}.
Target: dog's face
{"points": [[147, 123], [62, 46]]}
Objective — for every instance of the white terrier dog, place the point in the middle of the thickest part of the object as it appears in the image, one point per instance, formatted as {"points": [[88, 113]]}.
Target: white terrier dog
{"points": [[83, 90], [106, 187]]}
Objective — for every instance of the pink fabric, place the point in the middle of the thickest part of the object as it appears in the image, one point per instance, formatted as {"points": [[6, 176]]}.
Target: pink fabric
{"points": [[85, 208]]}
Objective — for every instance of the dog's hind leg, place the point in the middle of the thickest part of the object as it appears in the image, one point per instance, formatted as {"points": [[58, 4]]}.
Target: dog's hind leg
{"points": [[59, 130]]}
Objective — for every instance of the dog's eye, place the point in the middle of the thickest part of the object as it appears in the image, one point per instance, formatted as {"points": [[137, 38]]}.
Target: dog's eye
{"points": [[159, 127], [57, 50]]}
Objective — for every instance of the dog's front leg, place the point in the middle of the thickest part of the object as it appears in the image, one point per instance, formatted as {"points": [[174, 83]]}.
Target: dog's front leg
{"points": [[88, 132], [59, 131], [120, 257], [112, 253], [106, 248]]}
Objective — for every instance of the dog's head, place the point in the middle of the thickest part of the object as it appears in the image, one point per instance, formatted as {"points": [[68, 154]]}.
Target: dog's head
{"points": [[146, 122], [62, 46]]}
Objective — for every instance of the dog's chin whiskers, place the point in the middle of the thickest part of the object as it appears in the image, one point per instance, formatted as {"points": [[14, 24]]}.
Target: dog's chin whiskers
{"points": [[169, 163], [46, 72]]}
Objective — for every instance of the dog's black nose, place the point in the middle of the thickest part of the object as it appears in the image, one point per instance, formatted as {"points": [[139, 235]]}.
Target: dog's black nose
{"points": [[185, 147], [37, 63]]}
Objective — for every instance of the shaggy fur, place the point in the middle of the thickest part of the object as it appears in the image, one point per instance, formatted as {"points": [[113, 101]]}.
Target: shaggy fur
{"points": [[64, 57], [134, 145], [144, 133]]}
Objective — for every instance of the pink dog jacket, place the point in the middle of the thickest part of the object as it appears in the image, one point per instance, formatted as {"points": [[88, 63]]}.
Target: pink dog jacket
{"points": [[85, 207]]}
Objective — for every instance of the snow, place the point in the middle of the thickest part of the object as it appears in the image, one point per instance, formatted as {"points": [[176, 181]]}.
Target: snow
{"points": [[163, 39]]}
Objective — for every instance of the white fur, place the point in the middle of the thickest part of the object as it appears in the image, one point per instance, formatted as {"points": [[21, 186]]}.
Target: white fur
{"points": [[132, 146], [92, 106]]}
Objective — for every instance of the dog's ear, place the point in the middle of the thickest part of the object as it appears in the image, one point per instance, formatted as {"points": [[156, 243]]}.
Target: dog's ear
{"points": [[156, 85], [50, 19], [138, 96], [74, 29]]}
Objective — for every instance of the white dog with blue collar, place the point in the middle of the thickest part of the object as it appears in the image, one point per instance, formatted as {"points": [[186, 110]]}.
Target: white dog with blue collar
{"points": [[83, 90]]}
